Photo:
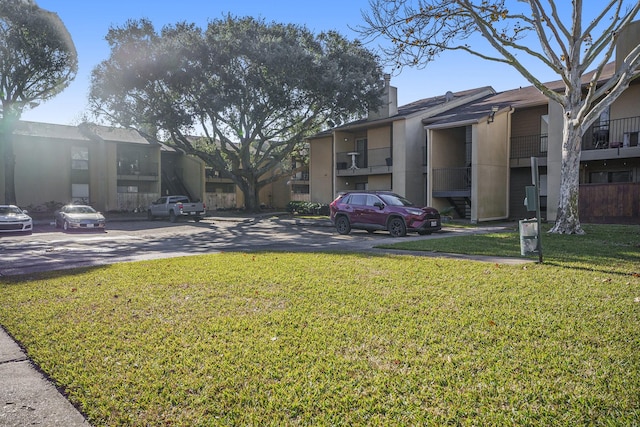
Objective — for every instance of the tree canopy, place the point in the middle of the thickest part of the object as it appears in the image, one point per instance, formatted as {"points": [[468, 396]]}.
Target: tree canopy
{"points": [[37, 61], [250, 91], [555, 34]]}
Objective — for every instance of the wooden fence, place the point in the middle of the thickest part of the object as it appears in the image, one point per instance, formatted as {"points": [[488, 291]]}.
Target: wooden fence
{"points": [[610, 203]]}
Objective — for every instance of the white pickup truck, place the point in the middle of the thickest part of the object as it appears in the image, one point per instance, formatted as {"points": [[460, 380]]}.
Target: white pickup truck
{"points": [[174, 207]]}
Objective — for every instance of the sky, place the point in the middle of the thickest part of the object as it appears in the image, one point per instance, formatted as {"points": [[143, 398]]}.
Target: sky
{"points": [[89, 20]]}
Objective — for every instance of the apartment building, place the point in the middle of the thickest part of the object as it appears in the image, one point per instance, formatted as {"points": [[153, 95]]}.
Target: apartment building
{"points": [[470, 152], [116, 169]]}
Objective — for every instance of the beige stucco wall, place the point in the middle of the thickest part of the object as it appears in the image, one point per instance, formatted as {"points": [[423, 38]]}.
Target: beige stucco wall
{"points": [[104, 176], [193, 175], [321, 170], [446, 149], [379, 137], [627, 104], [490, 169], [415, 139], [399, 155], [345, 141], [554, 159], [42, 170], [379, 182], [629, 39]]}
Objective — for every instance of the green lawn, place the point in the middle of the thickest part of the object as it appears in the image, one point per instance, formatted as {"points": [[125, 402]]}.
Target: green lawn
{"points": [[334, 339]]}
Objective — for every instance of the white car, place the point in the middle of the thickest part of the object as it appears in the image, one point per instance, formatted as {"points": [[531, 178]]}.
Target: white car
{"points": [[80, 217], [14, 220]]}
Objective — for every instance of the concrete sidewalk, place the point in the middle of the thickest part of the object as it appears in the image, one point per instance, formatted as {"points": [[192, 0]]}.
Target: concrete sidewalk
{"points": [[26, 396]]}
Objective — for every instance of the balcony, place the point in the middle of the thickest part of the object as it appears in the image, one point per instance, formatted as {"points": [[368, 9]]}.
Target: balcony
{"points": [[138, 171], [525, 147], [369, 162], [619, 133], [300, 177], [451, 182]]}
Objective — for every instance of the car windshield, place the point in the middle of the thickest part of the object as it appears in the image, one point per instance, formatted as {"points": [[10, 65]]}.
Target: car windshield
{"points": [[395, 200], [8, 210], [81, 209]]}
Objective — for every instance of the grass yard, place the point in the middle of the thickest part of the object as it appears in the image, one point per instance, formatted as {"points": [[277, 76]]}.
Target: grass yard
{"points": [[334, 339]]}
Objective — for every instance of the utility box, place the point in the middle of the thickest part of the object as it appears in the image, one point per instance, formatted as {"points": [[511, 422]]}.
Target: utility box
{"points": [[529, 237], [531, 200]]}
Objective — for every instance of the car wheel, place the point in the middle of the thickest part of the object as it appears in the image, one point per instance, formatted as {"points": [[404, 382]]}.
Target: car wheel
{"points": [[342, 225], [397, 227], [371, 231], [150, 216], [172, 216], [197, 219], [65, 226]]}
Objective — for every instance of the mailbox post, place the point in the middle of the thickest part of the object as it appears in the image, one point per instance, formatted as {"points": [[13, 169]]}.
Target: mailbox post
{"points": [[530, 228]]}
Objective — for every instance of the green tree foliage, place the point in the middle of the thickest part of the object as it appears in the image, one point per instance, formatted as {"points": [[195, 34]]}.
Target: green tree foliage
{"points": [[37, 61], [556, 34], [251, 91]]}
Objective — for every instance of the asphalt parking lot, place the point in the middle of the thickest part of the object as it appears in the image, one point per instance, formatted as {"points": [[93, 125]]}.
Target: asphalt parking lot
{"points": [[49, 248]]}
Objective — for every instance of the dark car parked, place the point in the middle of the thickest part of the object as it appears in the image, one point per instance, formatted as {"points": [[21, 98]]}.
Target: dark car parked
{"points": [[382, 210]]}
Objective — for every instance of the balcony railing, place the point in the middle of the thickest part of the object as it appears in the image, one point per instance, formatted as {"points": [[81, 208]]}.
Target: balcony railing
{"points": [[612, 134], [451, 180], [377, 160], [529, 146], [300, 176], [137, 168]]}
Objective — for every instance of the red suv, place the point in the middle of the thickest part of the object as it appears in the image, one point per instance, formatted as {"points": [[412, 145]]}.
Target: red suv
{"points": [[382, 210]]}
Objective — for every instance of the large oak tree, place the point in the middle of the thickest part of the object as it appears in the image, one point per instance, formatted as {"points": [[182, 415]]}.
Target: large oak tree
{"points": [[37, 61], [250, 91], [555, 34]]}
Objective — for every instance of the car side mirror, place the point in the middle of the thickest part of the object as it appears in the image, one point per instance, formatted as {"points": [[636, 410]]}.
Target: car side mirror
{"points": [[379, 205]]}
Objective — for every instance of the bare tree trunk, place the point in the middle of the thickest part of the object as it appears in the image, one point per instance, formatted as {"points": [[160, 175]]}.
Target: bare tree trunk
{"points": [[567, 219], [9, 171], [7, 126]]}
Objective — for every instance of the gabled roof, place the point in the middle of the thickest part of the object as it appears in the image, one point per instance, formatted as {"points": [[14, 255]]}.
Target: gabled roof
{"points": [[425, 107], [84, 132], [49, 130], [523, 97], [114, 134]]}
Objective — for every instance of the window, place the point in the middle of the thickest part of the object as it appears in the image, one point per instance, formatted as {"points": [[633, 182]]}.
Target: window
{"points": [[604, 177], [620, 176], [79, 158], [372, 200], [300, 189], [220, 187], [127, 189], [359, 199]]}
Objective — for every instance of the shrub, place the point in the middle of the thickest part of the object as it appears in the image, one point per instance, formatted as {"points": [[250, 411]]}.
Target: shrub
{"points": [[308, 208]]}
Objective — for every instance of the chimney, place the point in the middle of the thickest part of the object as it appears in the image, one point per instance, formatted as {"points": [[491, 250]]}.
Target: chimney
{"points": [[389, 105]]}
